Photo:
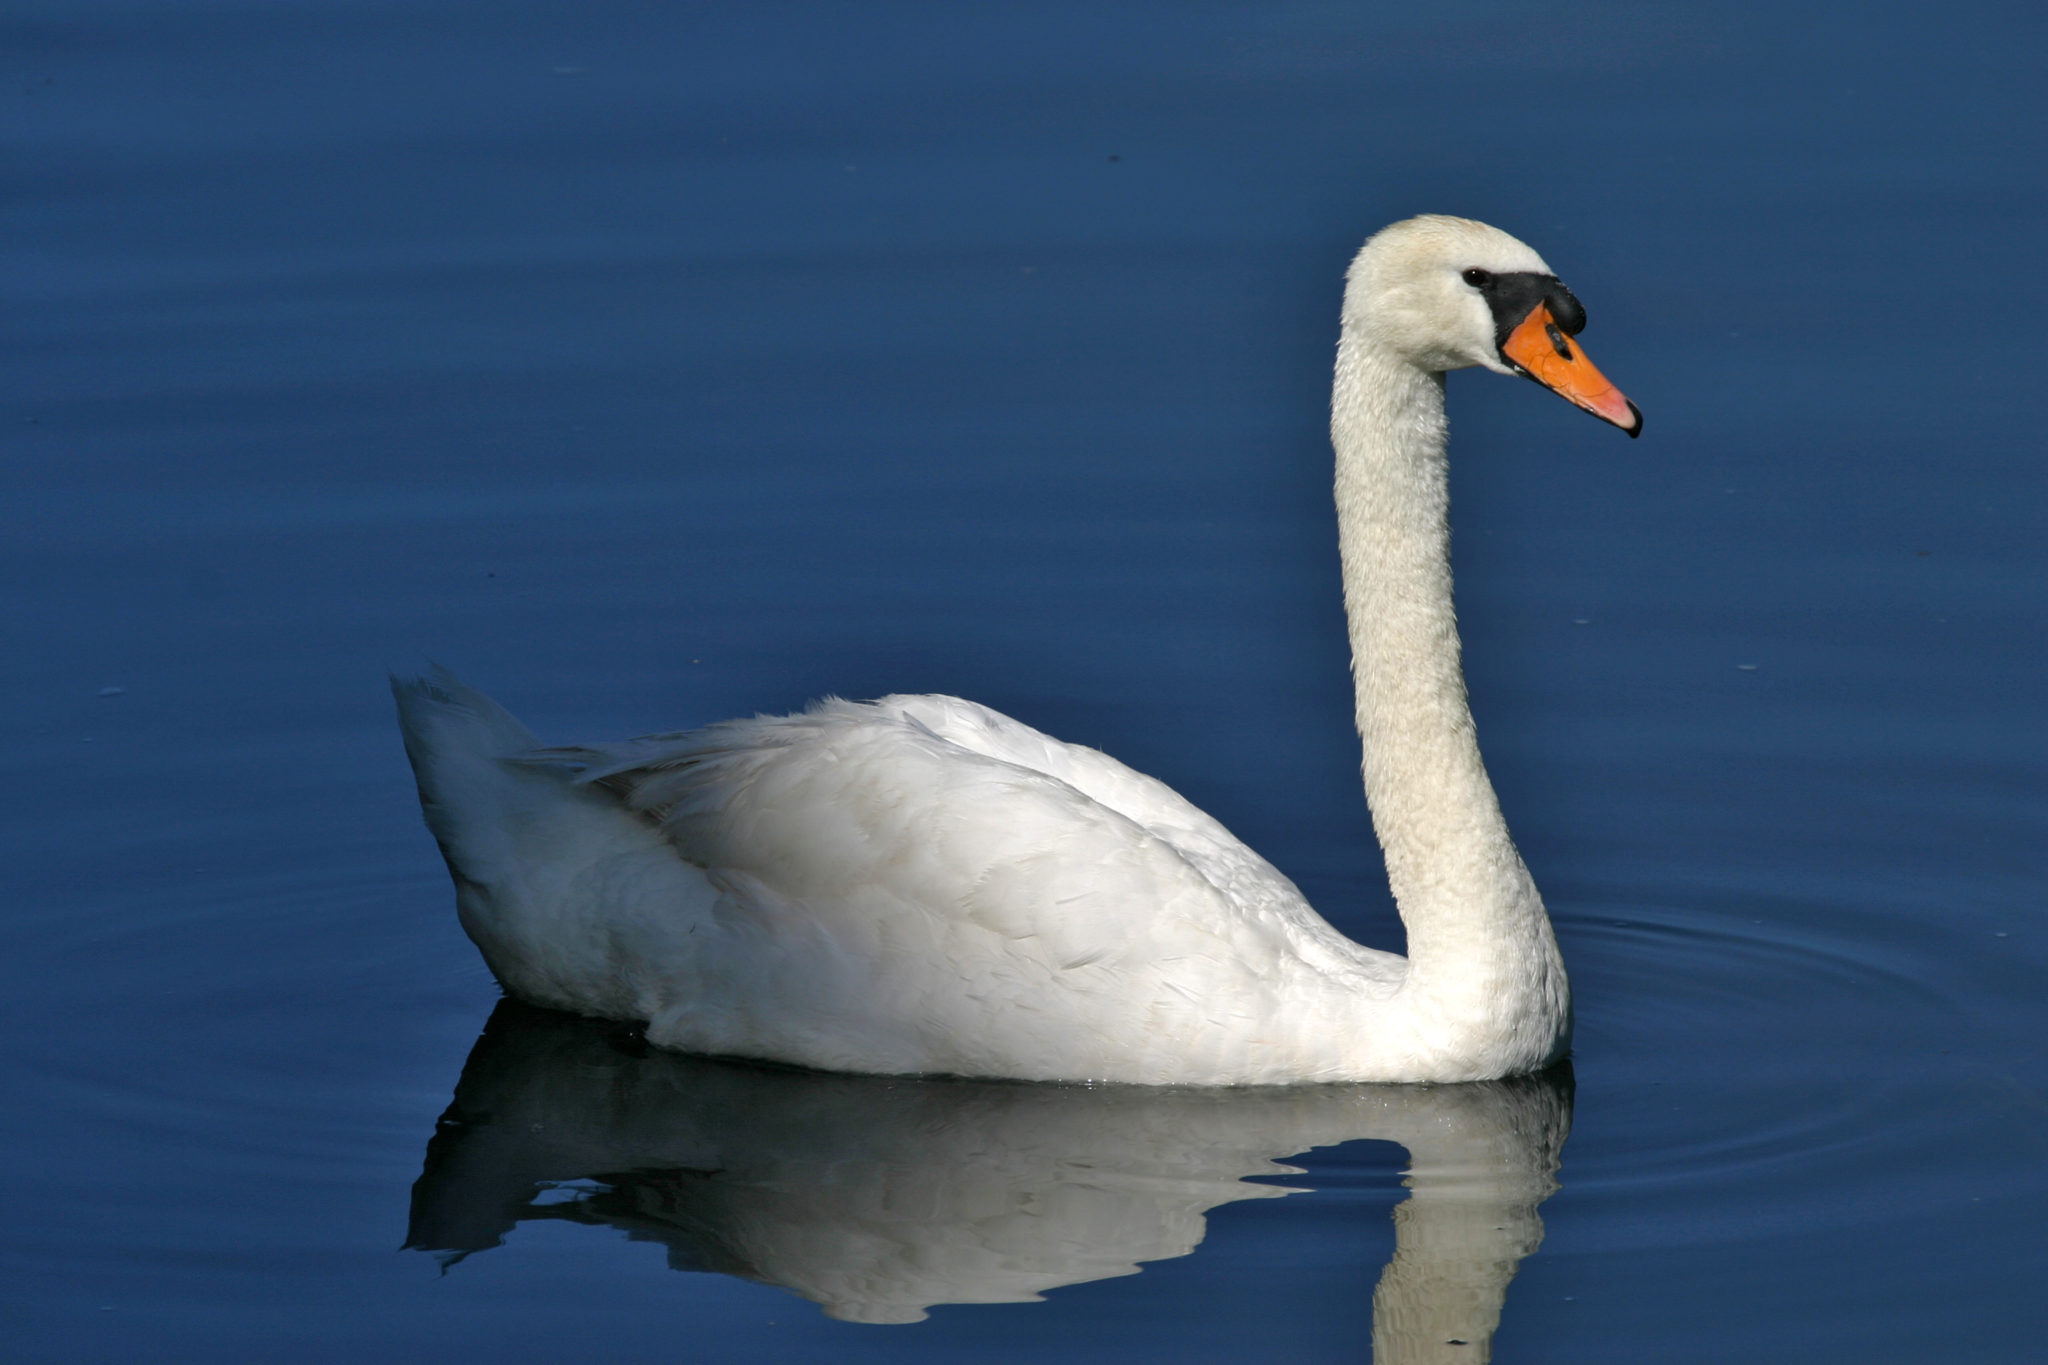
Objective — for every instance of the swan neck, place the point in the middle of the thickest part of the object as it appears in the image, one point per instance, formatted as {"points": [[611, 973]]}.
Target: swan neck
{"points": [[1474, 919]]}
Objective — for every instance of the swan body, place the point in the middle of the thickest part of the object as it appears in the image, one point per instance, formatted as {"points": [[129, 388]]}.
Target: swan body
{"points": [[923, 885]]}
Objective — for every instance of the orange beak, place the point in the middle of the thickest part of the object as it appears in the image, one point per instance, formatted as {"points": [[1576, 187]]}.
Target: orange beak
{"points": [[1540, 349]]}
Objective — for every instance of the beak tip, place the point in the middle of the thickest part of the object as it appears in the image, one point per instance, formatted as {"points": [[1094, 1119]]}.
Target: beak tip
{"points": [[1637, 413]]}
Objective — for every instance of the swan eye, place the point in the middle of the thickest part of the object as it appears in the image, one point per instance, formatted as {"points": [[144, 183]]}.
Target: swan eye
{"points": [[1478, 279]]}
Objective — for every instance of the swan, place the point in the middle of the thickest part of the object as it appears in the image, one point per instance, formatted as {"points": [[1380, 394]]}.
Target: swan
{"points": [[921, 885]]}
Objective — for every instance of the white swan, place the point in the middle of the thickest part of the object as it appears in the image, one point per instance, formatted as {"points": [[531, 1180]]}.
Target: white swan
{"points": [[922, 885]]}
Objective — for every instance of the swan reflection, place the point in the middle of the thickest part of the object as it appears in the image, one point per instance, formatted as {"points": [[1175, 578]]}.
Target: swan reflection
{"points": [[878, 1197]]}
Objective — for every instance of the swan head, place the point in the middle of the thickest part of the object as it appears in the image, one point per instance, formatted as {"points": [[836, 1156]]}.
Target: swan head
{"points": [[1448, 294]]}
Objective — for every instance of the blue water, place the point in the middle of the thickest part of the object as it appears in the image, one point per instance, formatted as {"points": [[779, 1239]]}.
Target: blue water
{"points": [[650, 364]]}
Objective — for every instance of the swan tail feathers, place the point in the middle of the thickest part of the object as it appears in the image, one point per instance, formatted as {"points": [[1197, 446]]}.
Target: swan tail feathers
{"points": [[538, 857], [437, 699], [497, 802], [457, 740]]}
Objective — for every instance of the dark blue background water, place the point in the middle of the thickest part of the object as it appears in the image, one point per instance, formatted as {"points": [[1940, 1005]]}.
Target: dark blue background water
{"points": [[652, 363]]}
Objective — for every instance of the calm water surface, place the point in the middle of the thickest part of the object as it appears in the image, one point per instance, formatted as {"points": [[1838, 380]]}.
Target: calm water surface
{"points": [[649, 364]]}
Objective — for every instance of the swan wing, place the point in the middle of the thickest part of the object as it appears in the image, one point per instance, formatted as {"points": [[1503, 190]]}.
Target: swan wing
{"points": [[1251, 882], [921, 884]]}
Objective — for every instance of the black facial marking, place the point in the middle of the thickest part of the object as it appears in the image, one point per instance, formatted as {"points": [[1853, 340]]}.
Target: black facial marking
{"points": [[1514, 295], [1566, 308]]}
